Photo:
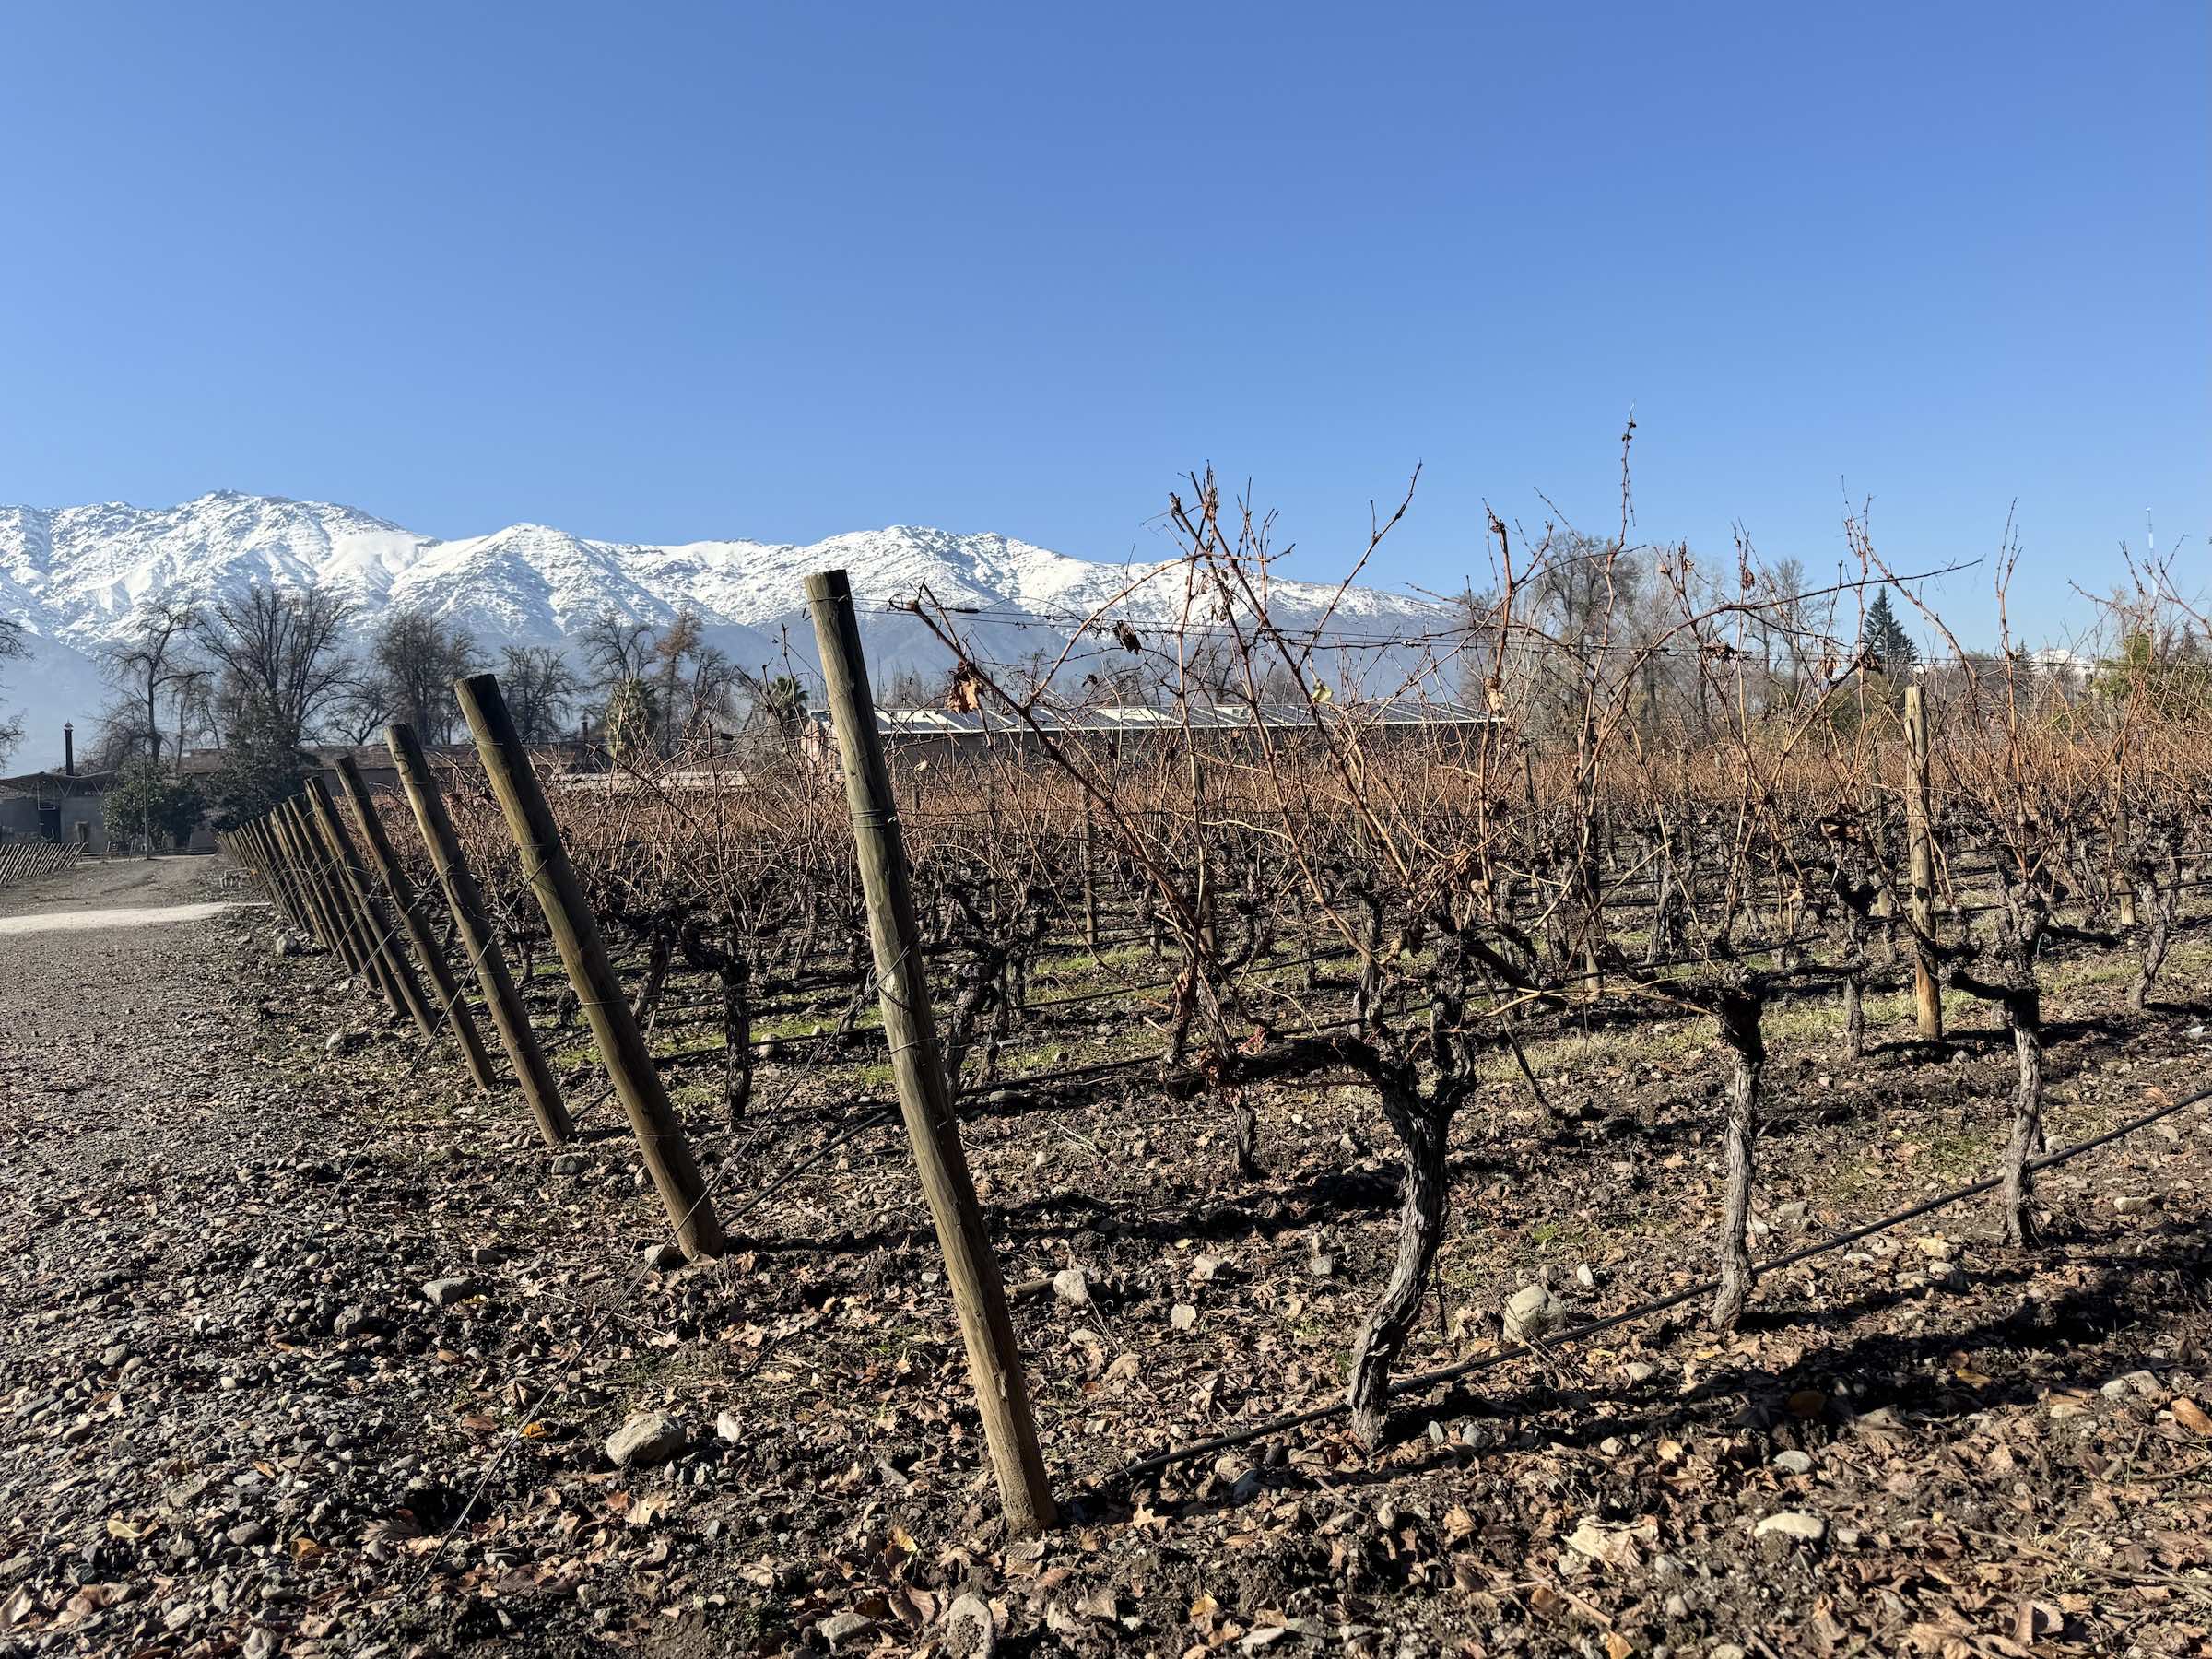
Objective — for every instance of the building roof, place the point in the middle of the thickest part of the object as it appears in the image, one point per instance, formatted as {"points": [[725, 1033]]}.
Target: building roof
{"points": [[47, 785]]}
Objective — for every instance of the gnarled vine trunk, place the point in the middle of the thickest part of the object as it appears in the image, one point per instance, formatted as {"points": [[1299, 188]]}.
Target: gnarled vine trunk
{"points": [[2023, 1013], [1424, 1132], [1739, 1012]]}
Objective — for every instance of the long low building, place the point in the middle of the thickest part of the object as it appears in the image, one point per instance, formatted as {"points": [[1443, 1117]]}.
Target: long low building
{"points": [[941, 735]]}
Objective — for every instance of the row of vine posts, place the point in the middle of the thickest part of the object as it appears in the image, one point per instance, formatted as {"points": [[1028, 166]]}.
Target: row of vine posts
{"points": [[359, 903], [317, 877]]}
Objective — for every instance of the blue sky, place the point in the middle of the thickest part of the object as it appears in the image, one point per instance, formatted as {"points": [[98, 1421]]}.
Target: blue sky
{"points": [[670, 271]]}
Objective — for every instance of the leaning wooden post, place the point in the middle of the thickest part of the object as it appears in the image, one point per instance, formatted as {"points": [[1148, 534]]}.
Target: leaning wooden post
{"points": [[278, 876], [409, 902], [978, 1293], [372, 931], [380, 935], [280, 861], [321, 863], [1927, 992], [244, 844], [236, 845], [509, 1016], [568, 918], [290, 826]]}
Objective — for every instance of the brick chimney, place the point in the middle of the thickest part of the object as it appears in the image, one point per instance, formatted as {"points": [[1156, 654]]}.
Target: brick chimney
{"points": [[68, 748]]}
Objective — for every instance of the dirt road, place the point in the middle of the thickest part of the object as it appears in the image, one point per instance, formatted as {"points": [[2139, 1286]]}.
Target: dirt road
{"points": [[185, 1228]]}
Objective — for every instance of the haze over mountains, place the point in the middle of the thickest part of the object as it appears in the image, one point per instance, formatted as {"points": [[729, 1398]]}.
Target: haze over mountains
{"points": [[75, 576]]}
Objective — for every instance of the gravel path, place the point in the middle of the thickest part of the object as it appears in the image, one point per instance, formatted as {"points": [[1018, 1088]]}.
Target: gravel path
{"points": [[166, 1193], [267, 1317], [306, 1350]]}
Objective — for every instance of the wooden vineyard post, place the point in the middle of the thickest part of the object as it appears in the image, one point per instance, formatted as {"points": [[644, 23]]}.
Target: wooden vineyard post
{"points": [[1927, 992], [1090, 879], [257, 835], [291, 830], [346, 919], [378, 940], [281, 876], [509, 1016], [568, 918], [2121, 862], [239, 846], [978, 1293], [409, 902], [263, 831]]}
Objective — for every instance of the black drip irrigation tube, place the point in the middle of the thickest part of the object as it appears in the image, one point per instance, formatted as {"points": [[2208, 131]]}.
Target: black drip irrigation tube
{"points": [[1426, 1381]]}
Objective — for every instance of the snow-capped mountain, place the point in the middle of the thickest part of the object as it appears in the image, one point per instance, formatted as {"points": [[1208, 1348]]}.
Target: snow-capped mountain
{"points": [[75, 576]]}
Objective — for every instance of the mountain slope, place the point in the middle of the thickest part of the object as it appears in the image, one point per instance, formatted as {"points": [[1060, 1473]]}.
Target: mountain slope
{"points": [[75, 575]]}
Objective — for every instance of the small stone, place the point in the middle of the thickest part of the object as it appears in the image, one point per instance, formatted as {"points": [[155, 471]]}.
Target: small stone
{"points": [[729, 1427], [665, 1257], [1725, 1649], [1791, 1523], [1531, 1311], [841, 1628], [115, 1356], [2133, 1203], [445, 1292], [347, 1041], [1793, 1462], [1182, 1316], [651, 1438], [2115, 1390], [1635, 1370], [1071, 1286], [971, 1632], [1586, 1276], [247, 1534], [570, 1163]]}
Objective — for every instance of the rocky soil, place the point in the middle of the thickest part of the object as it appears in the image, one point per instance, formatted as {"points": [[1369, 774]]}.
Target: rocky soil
{"points": [[305, 1350]]}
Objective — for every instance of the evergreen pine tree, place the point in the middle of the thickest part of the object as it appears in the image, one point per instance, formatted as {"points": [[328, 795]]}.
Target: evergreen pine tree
{"points": [[1885, 636]]}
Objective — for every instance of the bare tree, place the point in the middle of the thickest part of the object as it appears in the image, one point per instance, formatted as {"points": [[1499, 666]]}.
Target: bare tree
{"points": [[540, 687], [282, 657], [11, 645], [153, 661], [678, 644], [418, 658], [710, 693], [614, 648], [368, 703]]}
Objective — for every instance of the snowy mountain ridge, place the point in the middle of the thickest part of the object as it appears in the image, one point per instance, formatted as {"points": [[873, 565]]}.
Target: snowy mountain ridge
{"points": [[75, 576]]}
